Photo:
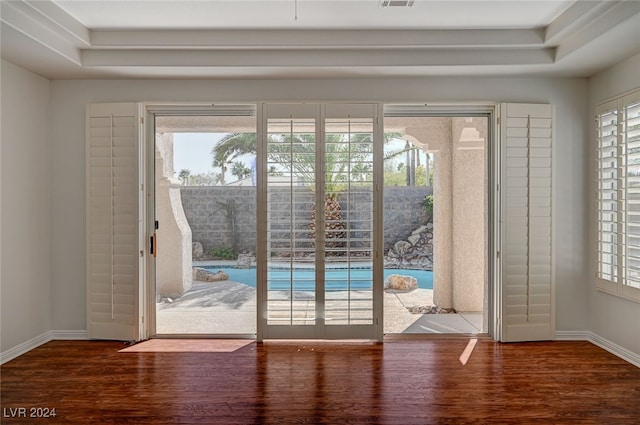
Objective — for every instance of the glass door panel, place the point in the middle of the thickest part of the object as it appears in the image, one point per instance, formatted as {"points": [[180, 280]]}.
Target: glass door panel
{"points": [[290, 179], [204, 209], [348, 157], [318, 273]]}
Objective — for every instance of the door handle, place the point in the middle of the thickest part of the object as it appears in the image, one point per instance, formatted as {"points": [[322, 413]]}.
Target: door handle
{"points": [[154, 244]]}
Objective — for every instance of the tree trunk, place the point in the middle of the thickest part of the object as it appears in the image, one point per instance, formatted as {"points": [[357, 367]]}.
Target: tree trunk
{"points": [[334, 226]]}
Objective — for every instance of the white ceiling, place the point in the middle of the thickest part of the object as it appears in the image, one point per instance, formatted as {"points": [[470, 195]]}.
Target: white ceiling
{"points": [[326, 14], [64, 39]]}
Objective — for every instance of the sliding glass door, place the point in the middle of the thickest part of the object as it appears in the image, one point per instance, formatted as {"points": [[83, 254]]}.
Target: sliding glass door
{"points": [[204, 221], [317, 244]]}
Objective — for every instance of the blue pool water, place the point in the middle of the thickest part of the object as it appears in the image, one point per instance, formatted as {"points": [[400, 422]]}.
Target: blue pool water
{"points": [[335, 279]]}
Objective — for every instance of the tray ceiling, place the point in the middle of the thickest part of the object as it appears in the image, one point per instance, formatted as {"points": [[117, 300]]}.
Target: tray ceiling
{"points": [[316, 39]]}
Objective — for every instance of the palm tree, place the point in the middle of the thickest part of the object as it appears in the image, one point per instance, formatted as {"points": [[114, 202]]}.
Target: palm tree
{"points": [[360, 172], [296, 154], [411, 158], [218, 179], [240, 170], [345, 160], [345, 156], [223, 168], [184, 176], [234, 145]]}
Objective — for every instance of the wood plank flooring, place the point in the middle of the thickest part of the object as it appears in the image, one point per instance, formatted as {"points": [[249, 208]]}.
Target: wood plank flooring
{"points": [[398, 382]]}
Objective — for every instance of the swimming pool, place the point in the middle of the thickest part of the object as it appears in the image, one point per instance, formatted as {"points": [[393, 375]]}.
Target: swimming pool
{"points": [[336, 279]]}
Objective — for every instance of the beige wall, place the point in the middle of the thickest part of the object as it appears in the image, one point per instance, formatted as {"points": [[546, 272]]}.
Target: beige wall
{"points": [[611, 317], [70, 97], [26, 188], [63, 251]]}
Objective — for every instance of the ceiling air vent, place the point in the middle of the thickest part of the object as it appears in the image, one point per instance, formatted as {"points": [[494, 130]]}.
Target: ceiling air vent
{"points": [[396, 3]]}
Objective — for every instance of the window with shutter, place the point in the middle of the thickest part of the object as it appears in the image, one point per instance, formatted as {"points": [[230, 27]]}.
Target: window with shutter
{"points": [[618, 196]]}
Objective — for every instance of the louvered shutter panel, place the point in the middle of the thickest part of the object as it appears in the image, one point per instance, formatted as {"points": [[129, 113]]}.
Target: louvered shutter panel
{"points": [[113, 284], [607, 194], [630, 148], [527, 265]]}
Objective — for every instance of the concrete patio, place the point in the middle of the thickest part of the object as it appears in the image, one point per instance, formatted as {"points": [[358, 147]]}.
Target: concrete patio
{"points": [[228, 307]]}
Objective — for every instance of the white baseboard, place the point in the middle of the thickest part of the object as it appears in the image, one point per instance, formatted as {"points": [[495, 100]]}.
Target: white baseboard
{"points": [[62, 335], [573, 336], [613, 348], [601, 342], [37, 341], [26, 346]]}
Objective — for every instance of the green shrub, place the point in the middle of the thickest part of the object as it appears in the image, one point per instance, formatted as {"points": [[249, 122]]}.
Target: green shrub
{"points": [[428, 204], [223, 253]]}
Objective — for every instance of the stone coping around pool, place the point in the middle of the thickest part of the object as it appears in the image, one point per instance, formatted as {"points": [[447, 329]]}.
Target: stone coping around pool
{"points": [[299, 265]]}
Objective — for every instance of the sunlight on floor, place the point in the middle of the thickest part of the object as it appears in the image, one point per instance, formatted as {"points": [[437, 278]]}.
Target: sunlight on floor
{"points": [[464, 357], [188, 346]]}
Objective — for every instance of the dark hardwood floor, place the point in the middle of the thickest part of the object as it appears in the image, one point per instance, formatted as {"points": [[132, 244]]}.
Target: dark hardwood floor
{"points": [[398, 382]]}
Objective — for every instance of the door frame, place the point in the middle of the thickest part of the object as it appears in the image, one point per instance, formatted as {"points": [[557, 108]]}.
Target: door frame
{"points": [[147, 163], [151, 110], [490, 110]]}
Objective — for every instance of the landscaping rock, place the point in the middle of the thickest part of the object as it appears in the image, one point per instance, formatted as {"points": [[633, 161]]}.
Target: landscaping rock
{"points": [[401, 247], [245, 261], [205, 275], [430, 309], [415, 253], [197, 250], [400, 283], [422, 229]]}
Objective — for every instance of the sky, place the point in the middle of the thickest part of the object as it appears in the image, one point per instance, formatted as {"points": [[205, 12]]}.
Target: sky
{"points": [[193, 151]]}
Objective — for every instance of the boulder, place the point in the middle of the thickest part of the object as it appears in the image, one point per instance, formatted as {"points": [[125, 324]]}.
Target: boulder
{"points": [[399, 282], [245, 261], [390, 263], [430, 309], [197, 250], [205, 275], [425, 263], [420, 229], [401, 247]]}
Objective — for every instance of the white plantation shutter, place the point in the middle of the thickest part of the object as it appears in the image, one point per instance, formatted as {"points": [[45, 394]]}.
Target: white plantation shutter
{"points": [[631, 197], [113, 269], [527, 266], [607, 192], [618, 196]]}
